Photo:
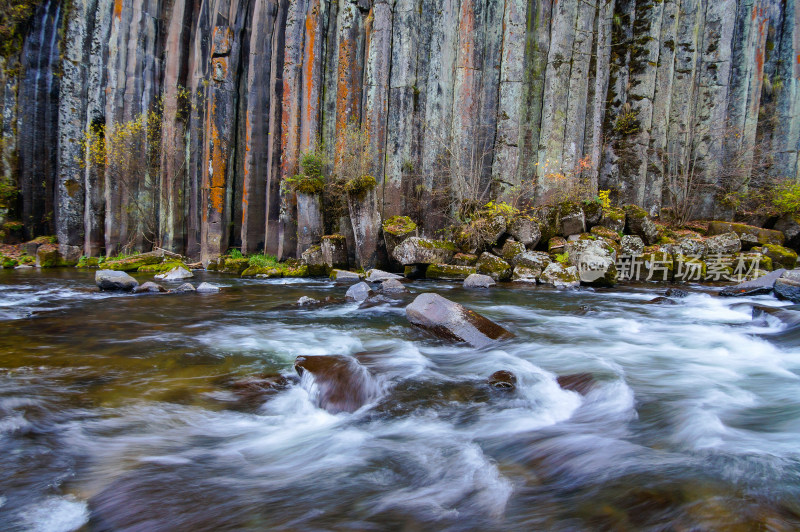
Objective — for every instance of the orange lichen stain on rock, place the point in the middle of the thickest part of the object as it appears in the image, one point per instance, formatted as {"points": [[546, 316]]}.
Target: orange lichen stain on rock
{"points": [[344, 94], [467, 33], [308, 80], [118, 9]]}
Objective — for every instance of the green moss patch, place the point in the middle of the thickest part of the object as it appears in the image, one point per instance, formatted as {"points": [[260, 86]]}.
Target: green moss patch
{"points": [[399, 226]]}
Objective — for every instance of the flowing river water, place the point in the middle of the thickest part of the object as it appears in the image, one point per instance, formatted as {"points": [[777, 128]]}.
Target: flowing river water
{"points": [[123, 412]]}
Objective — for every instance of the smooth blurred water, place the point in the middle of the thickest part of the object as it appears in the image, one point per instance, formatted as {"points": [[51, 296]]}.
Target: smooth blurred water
{"points": [[120, 412]]}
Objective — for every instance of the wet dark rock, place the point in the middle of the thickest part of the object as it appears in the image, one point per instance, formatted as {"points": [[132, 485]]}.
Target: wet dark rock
{"points": [[114, 280], [477, 280], [343, 384], [149, 287], [762, 285], [358, 292], [503, 380], [577, 382], [412, 395], [676, 292], [787, 289], [254, 389], [662, 301], [450, 320]]}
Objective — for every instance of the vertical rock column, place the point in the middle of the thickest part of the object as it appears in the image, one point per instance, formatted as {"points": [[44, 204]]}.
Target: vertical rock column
{"points": [[37, 125], [175, 125], [506, 154], [256, 140], [221, 123], [72, 122]]}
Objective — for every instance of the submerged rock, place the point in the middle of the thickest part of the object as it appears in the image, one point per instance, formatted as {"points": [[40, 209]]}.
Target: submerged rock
{"points": [[578, 382], [208, 288], [676, 292], [450, 320], [150, 287], [175, 274], [477, 280], [114, 280], [358, 292], [305, 300], [342, 384], [503, 380], [661, 300]]}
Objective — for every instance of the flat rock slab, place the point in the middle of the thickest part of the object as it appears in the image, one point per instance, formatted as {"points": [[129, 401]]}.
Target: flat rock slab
{"points": [[762, 285], [378, 276], [175, 274], [452, 321]]}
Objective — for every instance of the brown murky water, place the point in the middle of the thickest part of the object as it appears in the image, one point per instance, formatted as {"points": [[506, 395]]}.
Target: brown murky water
{"points": [[184, 412]]}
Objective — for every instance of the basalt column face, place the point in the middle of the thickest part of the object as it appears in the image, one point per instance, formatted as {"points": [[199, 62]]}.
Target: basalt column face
{"points": [[457, 100]]}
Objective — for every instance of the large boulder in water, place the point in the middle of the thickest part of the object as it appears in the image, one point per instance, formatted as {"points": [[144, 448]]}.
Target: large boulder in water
{"points": [[343, 385], [175, 274], [149, 287], [114, 280], [477, 280], [762, 285], [450, 320], [359, 292]]}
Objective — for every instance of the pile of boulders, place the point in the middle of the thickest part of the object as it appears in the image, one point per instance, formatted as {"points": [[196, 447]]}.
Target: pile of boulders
{"points": [[573, 244]]}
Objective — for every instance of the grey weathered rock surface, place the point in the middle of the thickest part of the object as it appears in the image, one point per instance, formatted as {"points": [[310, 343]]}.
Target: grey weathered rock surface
{"points": [[378, 276], [595, 261], [393, 286], [114, 280], [149, 287], [631, 245], [358, 292], [345, 276], [416, 250], [207, 288], [477, 280], [560, 276], [185, 287], [175, 274], [725, 244], [450, 320]]}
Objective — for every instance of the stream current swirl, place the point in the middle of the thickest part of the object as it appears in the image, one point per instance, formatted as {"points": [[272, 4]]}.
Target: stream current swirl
{"points": [[122, 412]]}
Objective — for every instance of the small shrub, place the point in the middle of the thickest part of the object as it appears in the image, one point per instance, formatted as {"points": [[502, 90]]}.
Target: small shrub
{"points": [[263, 261], [359, 186], [786, 197]]}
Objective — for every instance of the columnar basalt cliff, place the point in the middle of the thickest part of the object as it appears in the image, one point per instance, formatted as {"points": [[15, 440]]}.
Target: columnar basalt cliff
{"points": [[456, 97]]}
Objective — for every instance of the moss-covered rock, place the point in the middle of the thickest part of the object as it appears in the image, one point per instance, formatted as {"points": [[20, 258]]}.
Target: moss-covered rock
{"points": [[595, 261], [637, 222], [511, 249], [613, 218], [560, 276], [605, 232], [334, 251], [525, 229], [235, 265], [781, 257], [753, 236], [494, 267], [556, 244], [572, 220], [757, 261], [134, 262], [449, 272], [549, 222], [416, 250], [262, 271], [314, 261], [688, 269], [399, 226], [464, 259], [162, 267], [656, 266], [88, 262], [724, 244]]}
